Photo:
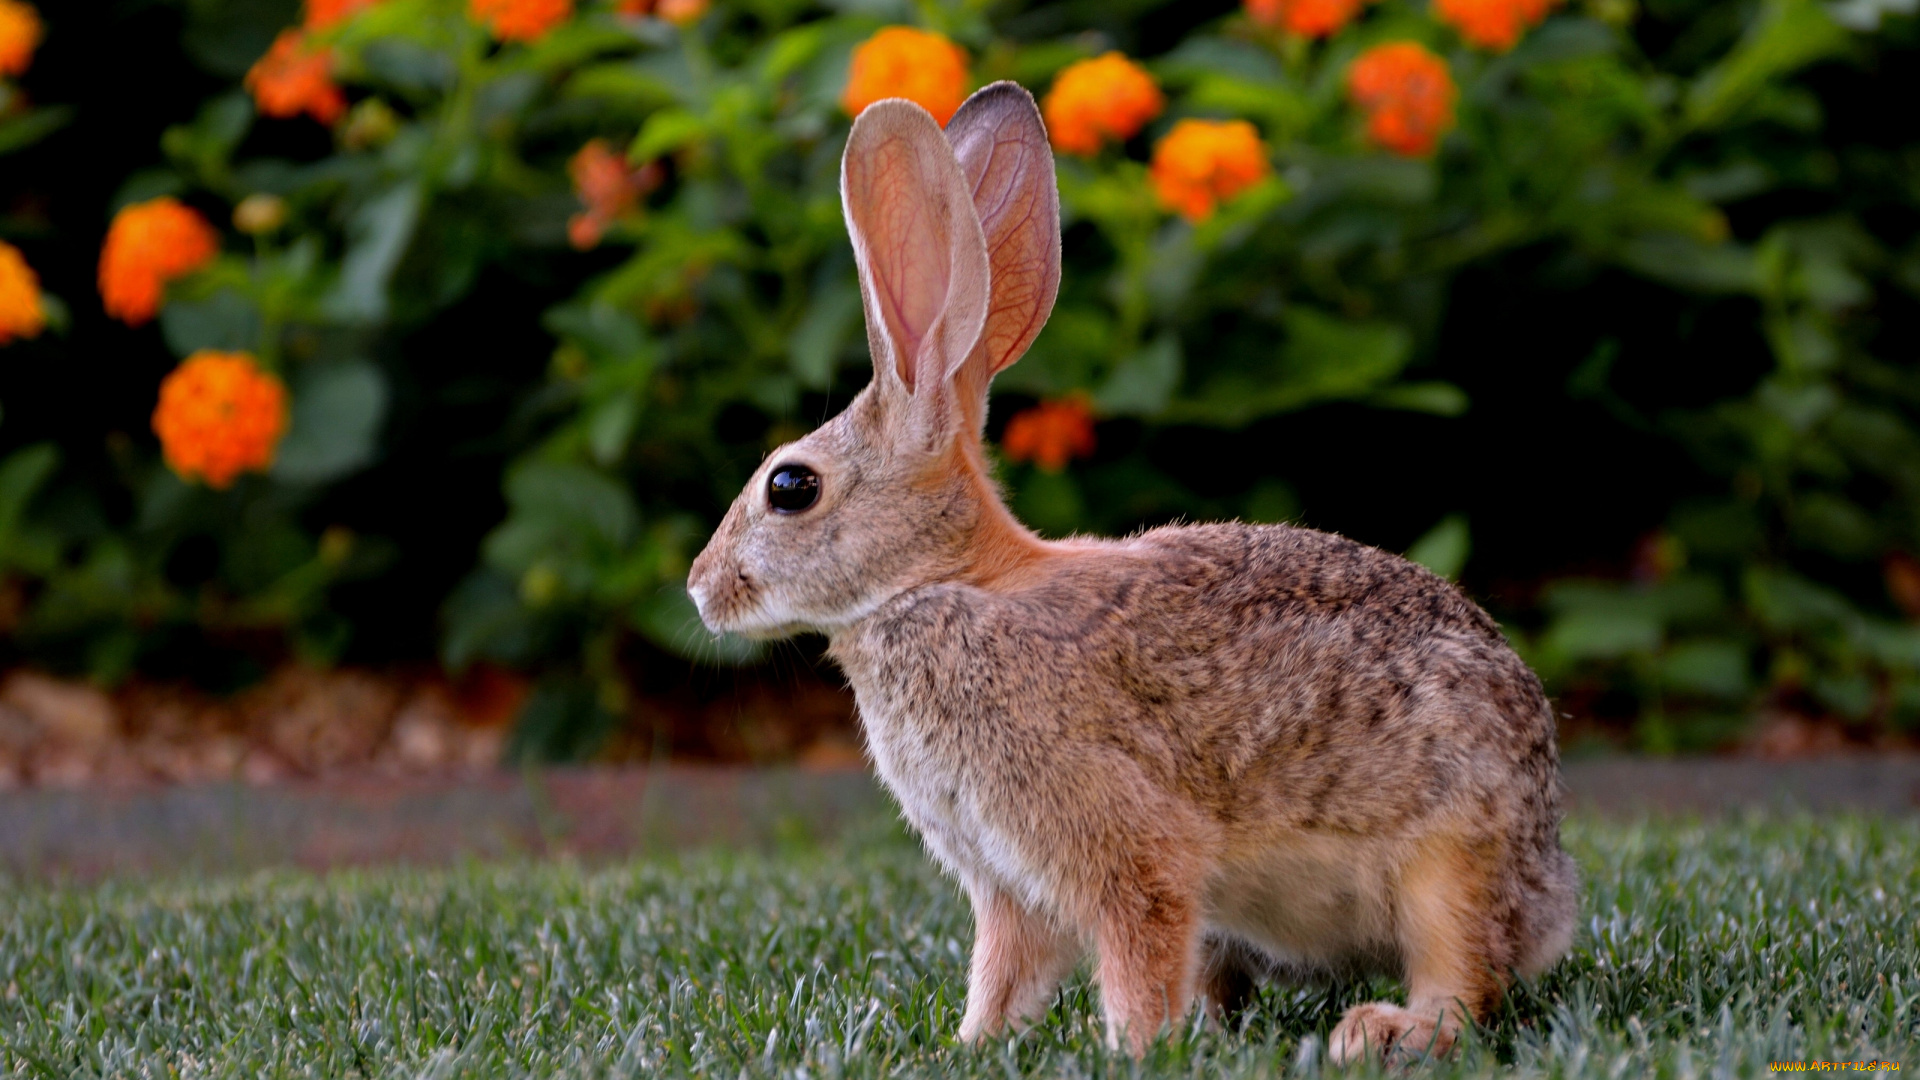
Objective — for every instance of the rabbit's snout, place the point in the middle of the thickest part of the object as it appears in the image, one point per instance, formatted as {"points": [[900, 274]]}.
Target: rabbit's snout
{"points": [[721, 589]]}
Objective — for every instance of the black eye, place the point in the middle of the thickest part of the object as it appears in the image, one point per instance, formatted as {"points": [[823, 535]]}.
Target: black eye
{"points": [[793, 488]]}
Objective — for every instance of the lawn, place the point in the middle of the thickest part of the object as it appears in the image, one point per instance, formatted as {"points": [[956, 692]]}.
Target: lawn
{"points": [[1704, 950]]}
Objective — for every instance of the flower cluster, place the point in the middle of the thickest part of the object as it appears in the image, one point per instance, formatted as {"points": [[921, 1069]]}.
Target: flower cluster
{"points": [[608, 189], [148, 245], [322, 14], [520, 20], [1108, 97], [22, 315], [678, 12], [1492, 24], [219, 416], [20, 32], [1051, 433], [902, 62], [1407, 94], [1203, 162], [296, 77], [1307, 18]]}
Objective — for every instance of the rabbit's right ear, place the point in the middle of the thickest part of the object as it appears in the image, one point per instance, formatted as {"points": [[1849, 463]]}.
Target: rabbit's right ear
{"points": [[1002, 145], [918, 245]]}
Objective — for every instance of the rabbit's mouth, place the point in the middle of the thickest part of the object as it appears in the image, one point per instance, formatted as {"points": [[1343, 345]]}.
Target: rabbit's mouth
{"points": [[736, 607], [721, 600]]}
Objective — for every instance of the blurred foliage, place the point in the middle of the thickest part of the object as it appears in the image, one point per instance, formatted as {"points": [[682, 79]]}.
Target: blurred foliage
{"points": [[405, 253]]}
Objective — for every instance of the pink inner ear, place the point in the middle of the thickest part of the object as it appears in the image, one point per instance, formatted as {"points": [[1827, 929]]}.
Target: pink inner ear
{"points": [[1002, 147], [1022, 232], [923, 261], [908, 242]]}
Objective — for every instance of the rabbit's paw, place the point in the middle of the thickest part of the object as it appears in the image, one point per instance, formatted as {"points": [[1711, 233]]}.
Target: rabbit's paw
{"points": [[1387, 1031]]}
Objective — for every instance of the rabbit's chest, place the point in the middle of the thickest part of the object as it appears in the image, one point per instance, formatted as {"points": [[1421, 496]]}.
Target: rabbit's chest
{"points": [[941, 773], [939, 793]]}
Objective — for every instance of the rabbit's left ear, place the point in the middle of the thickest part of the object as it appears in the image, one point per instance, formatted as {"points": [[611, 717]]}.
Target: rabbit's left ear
{"points": [[918, 246], [1001, 144]]}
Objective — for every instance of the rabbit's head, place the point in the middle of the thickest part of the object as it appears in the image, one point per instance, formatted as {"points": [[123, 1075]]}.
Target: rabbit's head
{"points": [[957, 238]]}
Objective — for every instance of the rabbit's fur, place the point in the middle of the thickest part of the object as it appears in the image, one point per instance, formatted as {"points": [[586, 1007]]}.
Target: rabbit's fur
{"points": [[1209, 753]]}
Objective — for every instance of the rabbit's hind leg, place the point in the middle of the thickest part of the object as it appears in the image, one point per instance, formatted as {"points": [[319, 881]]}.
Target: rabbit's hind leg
{"points": [[1230, 973], [1019, 958], [1454, 951]]}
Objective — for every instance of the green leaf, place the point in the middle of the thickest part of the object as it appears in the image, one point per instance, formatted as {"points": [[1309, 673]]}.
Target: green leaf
{"points": [[1445, 547], [818, 340], [791, 50], [1785, 36], [1436, 398], [1788, 602], [337, 411], [1827, 522], [1709, 668], [30, 127], [664, 132], [1141, 384], [624, 85], [225, 320], [1324, 358], [205, 147], [1271, 502], [611, 335], [1603, 633], [1050, 502], [379, 233], [1692, 264], [21, 476], [567, 501], [610, 425], [485, 620]]}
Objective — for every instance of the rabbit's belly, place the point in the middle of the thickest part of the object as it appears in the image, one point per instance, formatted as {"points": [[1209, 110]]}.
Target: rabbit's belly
{"points": [[1312, 902]]}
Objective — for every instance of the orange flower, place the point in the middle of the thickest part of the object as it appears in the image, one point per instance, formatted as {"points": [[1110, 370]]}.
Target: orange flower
{"points": [[1051, 433], [1495, 25], [899, 61], [148, 245], [21, 313], [520, 20], [1204, 162], [677, 12], [607, 187], [1407, 94], [219, 415], [324, 13], [1109, 97], [295, 78], [1307, 18], [20, 33]]}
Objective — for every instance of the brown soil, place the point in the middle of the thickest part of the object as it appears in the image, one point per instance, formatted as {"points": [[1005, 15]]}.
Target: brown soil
{"points": [[303, 723]]}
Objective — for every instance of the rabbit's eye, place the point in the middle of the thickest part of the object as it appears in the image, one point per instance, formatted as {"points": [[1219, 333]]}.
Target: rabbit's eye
{"points": [[793, 488]]}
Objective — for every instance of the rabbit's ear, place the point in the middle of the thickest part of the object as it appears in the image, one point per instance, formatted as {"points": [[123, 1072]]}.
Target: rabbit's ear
{"points": [[1002, 146], [922, 258]]}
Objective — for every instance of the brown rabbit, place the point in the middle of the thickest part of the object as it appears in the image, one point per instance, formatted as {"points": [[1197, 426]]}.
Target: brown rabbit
{"points": [[1210, 753]]}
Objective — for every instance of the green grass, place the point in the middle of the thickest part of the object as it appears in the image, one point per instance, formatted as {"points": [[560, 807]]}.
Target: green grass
{"points": [[1704, 950]]}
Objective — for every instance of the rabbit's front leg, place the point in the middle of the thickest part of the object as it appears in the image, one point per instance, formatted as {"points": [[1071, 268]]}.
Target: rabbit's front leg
{"points": [[1019, 958], [1149, 938]]}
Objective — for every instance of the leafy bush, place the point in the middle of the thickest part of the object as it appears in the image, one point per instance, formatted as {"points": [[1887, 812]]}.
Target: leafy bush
{"points": [[619, 228]]}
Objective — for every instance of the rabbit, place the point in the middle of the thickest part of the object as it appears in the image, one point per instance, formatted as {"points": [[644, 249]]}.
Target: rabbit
{"points": [[1210, 754]]}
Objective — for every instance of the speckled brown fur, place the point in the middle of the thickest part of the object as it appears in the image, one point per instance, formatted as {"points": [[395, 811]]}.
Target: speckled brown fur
{"points": [[1203, 752]]}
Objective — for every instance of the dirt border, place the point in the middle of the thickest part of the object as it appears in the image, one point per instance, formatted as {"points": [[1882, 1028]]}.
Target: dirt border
{"points": [[605, 813]]}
